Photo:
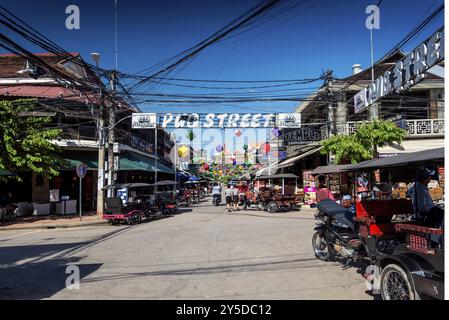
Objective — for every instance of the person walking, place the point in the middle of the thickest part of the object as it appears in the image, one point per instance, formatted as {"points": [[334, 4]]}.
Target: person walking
{"points": [[228, 194], [235, 197]]}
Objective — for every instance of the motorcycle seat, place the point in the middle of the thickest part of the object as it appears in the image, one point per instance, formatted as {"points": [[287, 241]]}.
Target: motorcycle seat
{"points": [[331, 208]]}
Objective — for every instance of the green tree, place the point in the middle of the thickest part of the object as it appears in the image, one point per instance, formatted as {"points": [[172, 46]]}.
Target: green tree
{"points": [[25, 140], [364, 142]]}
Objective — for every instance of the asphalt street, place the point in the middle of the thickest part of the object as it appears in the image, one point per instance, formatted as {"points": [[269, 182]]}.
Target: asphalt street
{"points": [[202, 253]]}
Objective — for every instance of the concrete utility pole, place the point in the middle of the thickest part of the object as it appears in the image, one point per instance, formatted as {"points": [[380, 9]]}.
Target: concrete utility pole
{"points": [[156, 157], [111, 140], [330, 119], [330, 105], [101, 150], [101, 156]]}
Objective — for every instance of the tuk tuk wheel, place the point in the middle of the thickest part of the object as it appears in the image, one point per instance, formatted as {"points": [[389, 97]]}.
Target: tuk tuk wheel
{"points": [[395, 284], [272, 207], [135, 218]]}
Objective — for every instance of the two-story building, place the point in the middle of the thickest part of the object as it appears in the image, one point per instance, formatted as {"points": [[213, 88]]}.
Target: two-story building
{"points": [[75, 112]]}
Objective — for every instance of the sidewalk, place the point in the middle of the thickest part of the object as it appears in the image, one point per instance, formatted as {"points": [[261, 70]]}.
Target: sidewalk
{"points": [[51, 222]]}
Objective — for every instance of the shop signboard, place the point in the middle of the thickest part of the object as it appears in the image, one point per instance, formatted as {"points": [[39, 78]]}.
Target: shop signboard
{"points": [[300, 136], [406, 73], [144, 120]]}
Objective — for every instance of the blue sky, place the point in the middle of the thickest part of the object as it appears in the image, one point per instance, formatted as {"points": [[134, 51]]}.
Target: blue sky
{"points": [[314, 37]]}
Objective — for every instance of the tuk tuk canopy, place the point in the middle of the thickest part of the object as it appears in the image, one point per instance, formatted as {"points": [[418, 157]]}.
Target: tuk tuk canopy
{"points": [[330, 169], [278, 176], [399, 160]]}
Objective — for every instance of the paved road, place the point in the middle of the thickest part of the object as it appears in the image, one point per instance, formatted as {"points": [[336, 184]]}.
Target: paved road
{"points": [[201, 254]]}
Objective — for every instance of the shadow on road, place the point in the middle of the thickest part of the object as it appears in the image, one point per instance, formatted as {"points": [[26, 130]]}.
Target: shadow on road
{"points": [[38, 271], [248, 267]]}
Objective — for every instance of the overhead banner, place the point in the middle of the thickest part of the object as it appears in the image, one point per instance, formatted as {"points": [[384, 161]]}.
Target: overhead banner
{"points": [[406, 73], [212, 120]]}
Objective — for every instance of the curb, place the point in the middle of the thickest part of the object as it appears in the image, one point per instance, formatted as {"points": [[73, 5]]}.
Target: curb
{"points": [[53, 226]]}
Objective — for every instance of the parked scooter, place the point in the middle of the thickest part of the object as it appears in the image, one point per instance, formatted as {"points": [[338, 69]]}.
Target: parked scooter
{"points": [[335, 234]]}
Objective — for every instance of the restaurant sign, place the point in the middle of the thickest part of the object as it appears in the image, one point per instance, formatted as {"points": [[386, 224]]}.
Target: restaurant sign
{"points": [[300, 136], [406, 73]]}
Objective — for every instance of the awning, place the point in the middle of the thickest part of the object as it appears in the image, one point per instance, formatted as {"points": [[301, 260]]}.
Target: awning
{"points": [[403, 159], [128, 161], [5, 173], [280, 176], [291, 161], [74, 158], [272, 168], [134, 161], [330, 169]]}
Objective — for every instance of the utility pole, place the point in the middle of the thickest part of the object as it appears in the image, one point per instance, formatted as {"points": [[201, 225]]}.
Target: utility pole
{"points": [[374, 110], [101, 142], [330, 121], [156, 156], [111, 140], [101, 156]]}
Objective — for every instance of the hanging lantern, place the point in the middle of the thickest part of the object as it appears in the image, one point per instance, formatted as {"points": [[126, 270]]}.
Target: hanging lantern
{"points": [[245, 147], [219, 148], [238, 133], [190, 135], [183, 151], [265, 148], [276, 132]]}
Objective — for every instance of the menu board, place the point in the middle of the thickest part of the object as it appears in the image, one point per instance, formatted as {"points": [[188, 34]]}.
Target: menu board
{"points": [[309, 187], [441, 176]]}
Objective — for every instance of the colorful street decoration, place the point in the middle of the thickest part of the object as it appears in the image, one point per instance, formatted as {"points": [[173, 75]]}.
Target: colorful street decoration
{"points": [[238, 133], [183, 151]]}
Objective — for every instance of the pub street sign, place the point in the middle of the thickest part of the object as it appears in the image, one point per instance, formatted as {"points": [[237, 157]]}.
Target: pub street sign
{"points": [[212, 120], [407, 72]]}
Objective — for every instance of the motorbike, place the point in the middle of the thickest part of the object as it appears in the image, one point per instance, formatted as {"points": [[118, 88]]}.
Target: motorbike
{"points": [[335, 233], [216, 200], [185, 198]]}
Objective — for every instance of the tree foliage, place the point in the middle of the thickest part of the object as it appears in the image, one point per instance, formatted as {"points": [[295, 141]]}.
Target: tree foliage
{"points": [[363, 144], [25, 140]]}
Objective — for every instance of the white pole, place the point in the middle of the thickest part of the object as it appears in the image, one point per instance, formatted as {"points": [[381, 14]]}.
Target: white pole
{"points": [[81, 206]]}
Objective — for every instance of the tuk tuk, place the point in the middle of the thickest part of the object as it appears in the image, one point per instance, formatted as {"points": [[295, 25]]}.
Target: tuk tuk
{"points": [[277, 192], [406, 258], [164, 200], [192, 190], [124, 207]]}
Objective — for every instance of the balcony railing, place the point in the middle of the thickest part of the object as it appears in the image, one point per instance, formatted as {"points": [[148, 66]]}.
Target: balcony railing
{"points": [[415, 128]]}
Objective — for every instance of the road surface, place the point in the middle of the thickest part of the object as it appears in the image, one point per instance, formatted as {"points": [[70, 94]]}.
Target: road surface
{"points": [[202, 253]]}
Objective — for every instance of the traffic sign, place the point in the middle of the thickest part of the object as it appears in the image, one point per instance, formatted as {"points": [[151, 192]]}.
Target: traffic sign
{"points": [[81, 170]]}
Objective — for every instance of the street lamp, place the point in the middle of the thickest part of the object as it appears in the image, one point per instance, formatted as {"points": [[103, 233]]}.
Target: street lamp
{"points": [[96, 57]]}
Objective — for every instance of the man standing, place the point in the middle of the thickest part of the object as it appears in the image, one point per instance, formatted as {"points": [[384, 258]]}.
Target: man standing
{"points": [[228, 193], [425, 210], [322, 192]]}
